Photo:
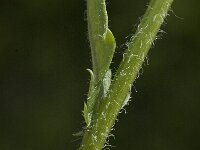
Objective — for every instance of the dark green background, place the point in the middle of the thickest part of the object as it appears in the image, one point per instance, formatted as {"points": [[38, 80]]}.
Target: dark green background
{"points": [[44, 53]]}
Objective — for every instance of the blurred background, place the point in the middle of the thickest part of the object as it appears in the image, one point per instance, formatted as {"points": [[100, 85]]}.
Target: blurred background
{"points": [[44, 54]]}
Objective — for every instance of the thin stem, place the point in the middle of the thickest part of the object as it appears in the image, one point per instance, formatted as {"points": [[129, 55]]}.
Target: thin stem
{"points": [[99, 36], [102, 43], [97, 24], [138, 47]]}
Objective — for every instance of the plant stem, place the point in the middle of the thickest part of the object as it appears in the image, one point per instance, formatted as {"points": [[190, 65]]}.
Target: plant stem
{"points": [[104, 117], [102, 42]]}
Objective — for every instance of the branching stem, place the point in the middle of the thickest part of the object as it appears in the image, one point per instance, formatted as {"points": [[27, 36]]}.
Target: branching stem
{"points": [[104, 117]]}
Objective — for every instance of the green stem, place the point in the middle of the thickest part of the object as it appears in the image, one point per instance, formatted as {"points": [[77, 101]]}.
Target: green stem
{"points": [[102, 43], [138, 47], [97, 25]]}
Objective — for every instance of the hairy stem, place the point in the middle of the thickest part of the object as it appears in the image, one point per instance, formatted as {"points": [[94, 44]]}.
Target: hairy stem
{"points": [[104, 117]]}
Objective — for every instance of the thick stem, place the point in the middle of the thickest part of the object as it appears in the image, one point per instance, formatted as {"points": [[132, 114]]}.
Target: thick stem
{"points": [[138, 47]]}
